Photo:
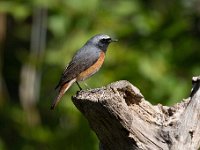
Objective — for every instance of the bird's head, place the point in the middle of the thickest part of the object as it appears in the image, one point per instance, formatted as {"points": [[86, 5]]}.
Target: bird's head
{"points": [[101, 41]]}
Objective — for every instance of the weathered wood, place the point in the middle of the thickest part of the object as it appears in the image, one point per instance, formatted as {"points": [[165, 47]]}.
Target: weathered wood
{"points": [[123, 120]]}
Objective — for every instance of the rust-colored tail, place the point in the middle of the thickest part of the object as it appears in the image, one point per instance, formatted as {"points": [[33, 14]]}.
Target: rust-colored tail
{"points": [[61, 92]]}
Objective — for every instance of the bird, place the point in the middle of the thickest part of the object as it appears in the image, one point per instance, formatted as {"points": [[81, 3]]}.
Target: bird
{"points": [[85, 63]]}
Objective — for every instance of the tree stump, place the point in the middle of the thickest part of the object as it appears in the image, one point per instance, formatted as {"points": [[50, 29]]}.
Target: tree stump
{"points": [[123, 120]]}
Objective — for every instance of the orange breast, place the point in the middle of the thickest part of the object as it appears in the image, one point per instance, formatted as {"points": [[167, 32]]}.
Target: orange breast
{"points": [[91, 70]]}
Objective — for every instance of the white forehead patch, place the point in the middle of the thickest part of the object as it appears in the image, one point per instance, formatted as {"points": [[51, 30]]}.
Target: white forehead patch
{"points": [[104, 36]]}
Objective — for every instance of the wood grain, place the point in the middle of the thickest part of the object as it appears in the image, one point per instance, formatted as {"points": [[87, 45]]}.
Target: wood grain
{"points": [[123, 120]]}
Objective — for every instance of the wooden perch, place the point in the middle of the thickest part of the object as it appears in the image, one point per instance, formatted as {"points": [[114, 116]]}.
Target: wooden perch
{"points": [[123, 120]]}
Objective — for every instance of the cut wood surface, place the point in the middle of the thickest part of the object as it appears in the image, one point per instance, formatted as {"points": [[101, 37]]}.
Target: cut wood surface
{"points": [[123, 120]]}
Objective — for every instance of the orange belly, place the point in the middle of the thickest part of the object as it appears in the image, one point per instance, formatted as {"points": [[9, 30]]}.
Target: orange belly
{"points": [[91, 70]]}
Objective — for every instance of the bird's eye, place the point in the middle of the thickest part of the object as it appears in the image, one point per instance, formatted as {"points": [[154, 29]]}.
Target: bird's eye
{"points": [[105, 40]]}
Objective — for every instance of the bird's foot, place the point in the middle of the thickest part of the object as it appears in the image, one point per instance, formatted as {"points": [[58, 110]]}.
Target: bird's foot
{"points": [[79, 86]]}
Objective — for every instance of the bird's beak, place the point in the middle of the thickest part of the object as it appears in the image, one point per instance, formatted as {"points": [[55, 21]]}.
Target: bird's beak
{"points": [[113, 40]]}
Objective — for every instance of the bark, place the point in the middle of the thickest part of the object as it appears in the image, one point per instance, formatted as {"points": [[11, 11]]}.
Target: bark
{"points": [[123, 120]]}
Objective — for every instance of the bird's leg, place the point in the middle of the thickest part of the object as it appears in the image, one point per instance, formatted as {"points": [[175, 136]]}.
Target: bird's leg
{"points": [[79, 86]]}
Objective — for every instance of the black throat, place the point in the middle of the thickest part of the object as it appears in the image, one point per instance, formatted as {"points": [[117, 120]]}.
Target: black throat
{"points": [[103, 47]]}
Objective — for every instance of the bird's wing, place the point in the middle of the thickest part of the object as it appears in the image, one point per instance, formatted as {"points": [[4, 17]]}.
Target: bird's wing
{"points": [[80, 62]]}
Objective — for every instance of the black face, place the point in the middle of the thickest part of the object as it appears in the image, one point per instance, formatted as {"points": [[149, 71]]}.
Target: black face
{"points": [[106, 41], [103, 43]]}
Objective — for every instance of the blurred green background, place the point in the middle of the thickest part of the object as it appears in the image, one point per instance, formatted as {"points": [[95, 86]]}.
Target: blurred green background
{"points": [[158, 51]]}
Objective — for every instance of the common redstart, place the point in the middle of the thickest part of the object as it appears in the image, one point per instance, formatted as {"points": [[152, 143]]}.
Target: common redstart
{"points": [[86, 62]]}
